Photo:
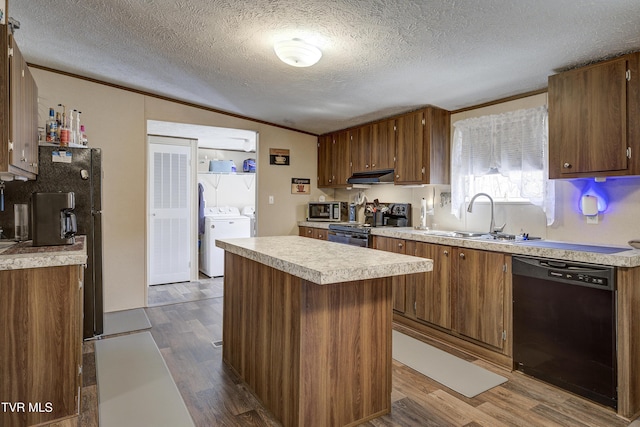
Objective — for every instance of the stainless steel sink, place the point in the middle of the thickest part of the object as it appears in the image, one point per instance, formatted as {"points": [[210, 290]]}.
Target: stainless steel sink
{"points": [[469, 234]]}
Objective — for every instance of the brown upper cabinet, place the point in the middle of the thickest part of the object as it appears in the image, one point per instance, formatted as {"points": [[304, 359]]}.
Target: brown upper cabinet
{"points": [[19, 116], [415, 145], [422, 147], [593, 125], [373, 146], [333, 159]]}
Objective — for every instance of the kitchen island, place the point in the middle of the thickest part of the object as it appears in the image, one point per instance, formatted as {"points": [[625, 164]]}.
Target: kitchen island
{"points": [[41, 333], [307, 325]]}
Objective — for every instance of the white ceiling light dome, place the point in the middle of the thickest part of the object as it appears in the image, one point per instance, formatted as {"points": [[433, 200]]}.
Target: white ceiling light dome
{"points": [[297, 52]]}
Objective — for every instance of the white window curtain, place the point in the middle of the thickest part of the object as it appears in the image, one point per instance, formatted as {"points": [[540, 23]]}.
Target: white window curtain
{"points": [[504, 155]]}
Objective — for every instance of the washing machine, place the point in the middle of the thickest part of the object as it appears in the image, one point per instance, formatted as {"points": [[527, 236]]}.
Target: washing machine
{"points": [[224, 222]]}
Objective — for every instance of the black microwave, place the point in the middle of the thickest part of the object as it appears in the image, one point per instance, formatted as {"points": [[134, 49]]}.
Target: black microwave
{"points": [[328, 211]]}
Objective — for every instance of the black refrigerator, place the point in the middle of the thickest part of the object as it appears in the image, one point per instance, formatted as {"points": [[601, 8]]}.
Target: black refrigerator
{"points": [[78, 170]]}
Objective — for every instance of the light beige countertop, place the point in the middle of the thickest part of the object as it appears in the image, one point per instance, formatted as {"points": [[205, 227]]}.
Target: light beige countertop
{"points": [[23, 255], [323, 262], [579, 252]]}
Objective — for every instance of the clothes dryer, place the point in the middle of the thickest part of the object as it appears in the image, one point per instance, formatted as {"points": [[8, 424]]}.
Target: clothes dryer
{"points": [[220, 223]]}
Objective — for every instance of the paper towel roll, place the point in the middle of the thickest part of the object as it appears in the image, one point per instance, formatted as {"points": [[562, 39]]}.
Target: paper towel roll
{"points": [[423, 213]]}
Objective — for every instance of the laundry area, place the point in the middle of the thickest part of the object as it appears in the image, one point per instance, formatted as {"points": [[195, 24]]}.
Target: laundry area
{"points": [[227, 194]]}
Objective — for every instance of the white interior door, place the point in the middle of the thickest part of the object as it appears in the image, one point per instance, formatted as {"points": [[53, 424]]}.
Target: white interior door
{"points": [[169, 225]]}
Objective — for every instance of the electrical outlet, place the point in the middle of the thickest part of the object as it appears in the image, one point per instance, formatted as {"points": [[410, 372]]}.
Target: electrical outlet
{"points": [[271, 200], [592, 219]]}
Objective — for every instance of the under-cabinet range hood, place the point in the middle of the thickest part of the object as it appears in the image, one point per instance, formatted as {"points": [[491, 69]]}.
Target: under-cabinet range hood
{"points": [[384, 176]]}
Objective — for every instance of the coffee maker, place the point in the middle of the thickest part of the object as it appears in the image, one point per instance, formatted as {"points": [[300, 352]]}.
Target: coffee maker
{"points": [[52, 219]]}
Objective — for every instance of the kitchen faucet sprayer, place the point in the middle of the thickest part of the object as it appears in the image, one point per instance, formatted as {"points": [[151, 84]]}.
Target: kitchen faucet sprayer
{"points": [[492, 225]]}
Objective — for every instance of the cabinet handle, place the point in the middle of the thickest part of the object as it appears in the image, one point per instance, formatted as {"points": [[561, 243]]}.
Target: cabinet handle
{"points": [[567, 165], [462, 255], [374, 165], [399, 245], [397, 176], [366, 166], [446, 253]]}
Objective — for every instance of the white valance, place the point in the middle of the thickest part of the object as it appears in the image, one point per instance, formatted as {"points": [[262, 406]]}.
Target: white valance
{"points": [[513, 145]]}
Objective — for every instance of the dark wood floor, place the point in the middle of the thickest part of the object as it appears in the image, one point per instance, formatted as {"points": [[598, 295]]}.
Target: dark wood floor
{"points": [[185, 333], [204, 288]]}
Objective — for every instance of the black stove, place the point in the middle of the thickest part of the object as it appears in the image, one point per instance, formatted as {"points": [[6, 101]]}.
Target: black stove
{"points": [[351, 227]]}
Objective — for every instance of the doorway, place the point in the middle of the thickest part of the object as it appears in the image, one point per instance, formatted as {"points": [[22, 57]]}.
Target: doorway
{"points": [[171, 247], [210, 143]]}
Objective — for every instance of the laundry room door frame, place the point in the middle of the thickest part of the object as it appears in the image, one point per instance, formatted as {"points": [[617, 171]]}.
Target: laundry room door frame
{"points": [[189, 189]]}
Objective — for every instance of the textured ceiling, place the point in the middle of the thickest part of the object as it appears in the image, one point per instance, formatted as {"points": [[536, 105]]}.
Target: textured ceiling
{"points": [[380, 57]]}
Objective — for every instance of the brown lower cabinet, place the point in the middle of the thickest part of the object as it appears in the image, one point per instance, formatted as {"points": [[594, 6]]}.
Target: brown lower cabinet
{"points": [[465, 300], [465, 303], [41, 345], [313, 232], [478, 289], [432, 300], [398, 282]]}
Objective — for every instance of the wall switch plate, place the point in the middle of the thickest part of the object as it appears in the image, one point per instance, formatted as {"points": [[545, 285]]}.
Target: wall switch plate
{"points": [[271, 200]]}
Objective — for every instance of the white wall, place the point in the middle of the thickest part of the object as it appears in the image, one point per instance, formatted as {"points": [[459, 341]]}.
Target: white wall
{"points": [[115, 120]]}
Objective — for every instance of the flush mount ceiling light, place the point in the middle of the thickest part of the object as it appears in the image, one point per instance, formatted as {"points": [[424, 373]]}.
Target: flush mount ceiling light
{"points": [[297, 53]]}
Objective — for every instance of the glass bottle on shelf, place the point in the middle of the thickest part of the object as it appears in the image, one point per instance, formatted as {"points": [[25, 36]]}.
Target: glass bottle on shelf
{"points": [[51, 128]]}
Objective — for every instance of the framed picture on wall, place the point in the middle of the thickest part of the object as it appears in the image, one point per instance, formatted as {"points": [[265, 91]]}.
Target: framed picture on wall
{"points": [[279, 156], [300, 185]]}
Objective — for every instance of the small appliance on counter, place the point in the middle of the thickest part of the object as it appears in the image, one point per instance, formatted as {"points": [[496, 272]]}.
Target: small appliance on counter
{"points": [[388, 214], [52, 218], [328, 211]]}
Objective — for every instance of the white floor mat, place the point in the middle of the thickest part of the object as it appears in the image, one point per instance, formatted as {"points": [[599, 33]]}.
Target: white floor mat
{"points": [[117, 322], [450, 371], [135, 387]]}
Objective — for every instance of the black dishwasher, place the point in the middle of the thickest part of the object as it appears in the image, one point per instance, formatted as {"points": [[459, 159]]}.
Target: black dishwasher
{"points": [[564, 325]]}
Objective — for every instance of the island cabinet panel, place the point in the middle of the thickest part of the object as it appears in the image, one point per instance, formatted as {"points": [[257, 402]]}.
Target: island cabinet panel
{"points": [[478, 296], [41, 344], [306, 349]]}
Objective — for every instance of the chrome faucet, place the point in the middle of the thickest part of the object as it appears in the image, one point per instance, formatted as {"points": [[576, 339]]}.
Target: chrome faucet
{"points": [[492, 225]]}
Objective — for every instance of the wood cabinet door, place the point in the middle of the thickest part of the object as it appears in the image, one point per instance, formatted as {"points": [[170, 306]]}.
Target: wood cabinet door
{"points": [[305, 231], [588, 120], [320, 233], [478, 289], [23, 132], [40, 336], [432, 289], [325, 160], [409, 145], [341, 159], [360, 147], [398, 283], [383, 144]]}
